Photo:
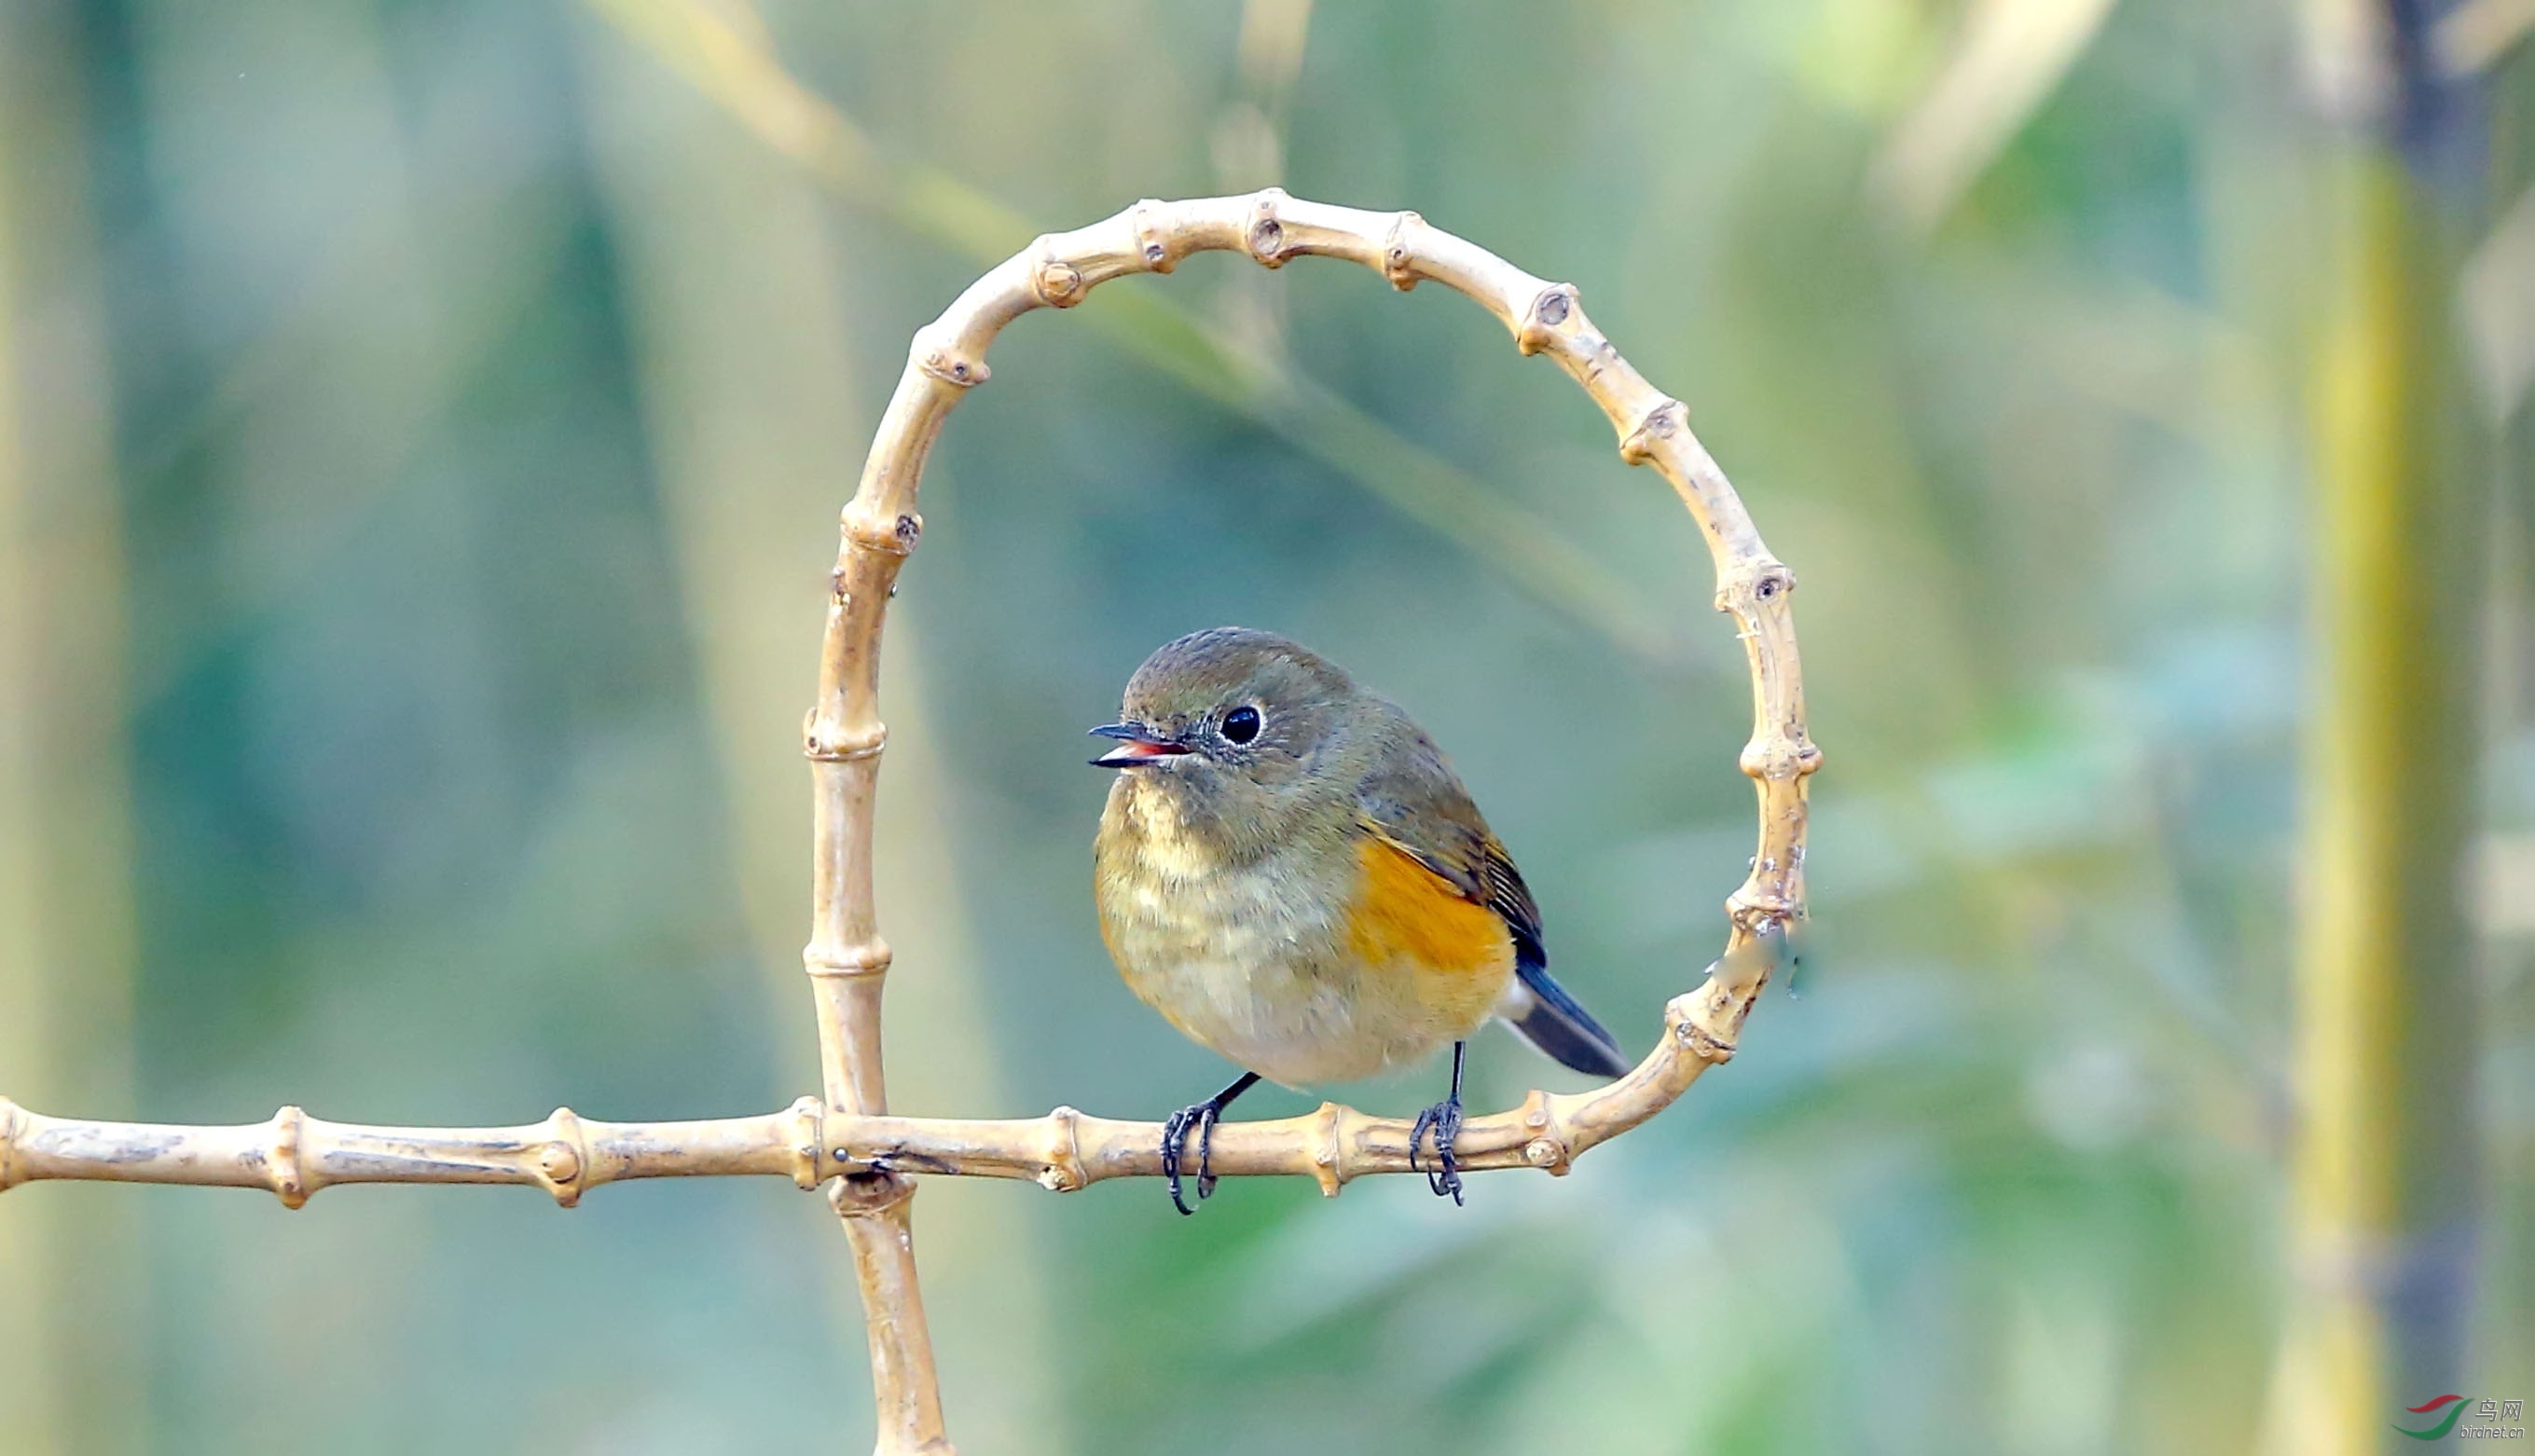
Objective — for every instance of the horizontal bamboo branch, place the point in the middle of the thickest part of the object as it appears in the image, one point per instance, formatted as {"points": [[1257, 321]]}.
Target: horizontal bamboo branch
{"points": [[847, 1137], [293, 1155]]}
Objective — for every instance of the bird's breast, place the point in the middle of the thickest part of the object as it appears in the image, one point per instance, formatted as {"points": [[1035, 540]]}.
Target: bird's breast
{"points": [[1323, 960]]}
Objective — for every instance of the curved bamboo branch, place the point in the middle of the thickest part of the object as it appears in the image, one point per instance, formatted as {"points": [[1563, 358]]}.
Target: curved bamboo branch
{"points": [[847, 1137], [881, 526]]}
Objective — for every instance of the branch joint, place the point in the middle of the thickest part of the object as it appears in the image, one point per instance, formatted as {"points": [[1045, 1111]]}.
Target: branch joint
{"points": [[1266, 236], [1776, 760], [894, 536], [809, 1137], [1060, 1169], [1549, 1149], [827, 742], [282, 1167], [1551, 309], [1055, 283], [1152, 246], [1329, 1158], [1755, 911], [1704, 1043], [1399, 259], [870, 958], [948, 364], [1763, 583], [868, 1194], [1669, 417], [564, 1162]]}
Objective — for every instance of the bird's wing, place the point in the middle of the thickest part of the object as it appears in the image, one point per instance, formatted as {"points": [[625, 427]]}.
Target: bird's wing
{"points": [[1416, 805]]}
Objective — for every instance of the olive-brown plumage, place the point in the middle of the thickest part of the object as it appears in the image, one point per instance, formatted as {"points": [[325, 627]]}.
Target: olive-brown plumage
{"points": [[1289, 871]]}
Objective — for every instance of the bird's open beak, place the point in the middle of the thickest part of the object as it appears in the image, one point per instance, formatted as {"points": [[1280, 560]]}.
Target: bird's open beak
{"points": [[1137, 744]]}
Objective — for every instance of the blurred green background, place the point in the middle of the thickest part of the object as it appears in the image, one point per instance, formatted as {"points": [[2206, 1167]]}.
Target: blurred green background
{"points": [[421, 432]]}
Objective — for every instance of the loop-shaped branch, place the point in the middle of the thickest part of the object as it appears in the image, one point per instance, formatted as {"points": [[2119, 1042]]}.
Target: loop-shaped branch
{"points": [[881, 527], [847, 1137]]}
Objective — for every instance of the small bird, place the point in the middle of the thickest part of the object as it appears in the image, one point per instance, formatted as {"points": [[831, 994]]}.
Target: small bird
{"points": [[1291, 874]]}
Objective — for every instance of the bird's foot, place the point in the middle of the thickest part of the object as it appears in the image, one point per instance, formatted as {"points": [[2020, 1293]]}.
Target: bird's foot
{"points": [[1198, 1118], [1444, 1120]]}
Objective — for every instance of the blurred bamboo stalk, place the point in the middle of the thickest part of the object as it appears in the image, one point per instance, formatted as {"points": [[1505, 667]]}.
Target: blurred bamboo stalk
{"points": [[2382, 1196], [1247, 144], [2007, 59], [70, 1332], [720, 51]]}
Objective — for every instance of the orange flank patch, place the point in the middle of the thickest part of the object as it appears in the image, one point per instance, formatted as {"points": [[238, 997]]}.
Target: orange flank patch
{"points": [[1408, 914]]}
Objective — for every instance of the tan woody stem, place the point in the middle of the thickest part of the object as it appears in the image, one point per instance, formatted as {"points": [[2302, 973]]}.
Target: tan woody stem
{"points": [[881, 527], [293, 1155], [847, 1134]]}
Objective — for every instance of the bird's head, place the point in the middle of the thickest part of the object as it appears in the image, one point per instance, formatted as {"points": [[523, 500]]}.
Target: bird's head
{"points": [[1240, 733]]}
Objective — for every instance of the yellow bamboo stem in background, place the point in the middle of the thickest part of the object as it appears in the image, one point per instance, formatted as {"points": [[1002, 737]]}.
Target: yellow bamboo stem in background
{"points": [[2379, 1197], [70, 1323]]}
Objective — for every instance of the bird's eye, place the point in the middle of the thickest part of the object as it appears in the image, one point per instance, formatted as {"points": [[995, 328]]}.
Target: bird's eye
{"points": [[1241, 724]]}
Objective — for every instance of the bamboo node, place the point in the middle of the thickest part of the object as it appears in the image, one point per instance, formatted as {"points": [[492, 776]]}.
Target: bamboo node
{"points": [[1669, 417], [565, 1157], [1549, 1148], [1328, 1160], [950, 366], [1706, 1044], [868, 1194], [281, 1160], [1756, 911], [1550, 307], [1150, 243], [1763, 581], [1399, 260], [809, 1135], [869, 958], [1056, 282], [1266, 236], [1681, 1012], [1777, 758], [891, 535], [11, 1121], [1061, 1171], [823, 743]]}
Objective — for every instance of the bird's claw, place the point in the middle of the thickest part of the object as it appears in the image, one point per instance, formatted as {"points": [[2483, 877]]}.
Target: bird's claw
{"points": [[1200, 1118], [1444, 1120]]}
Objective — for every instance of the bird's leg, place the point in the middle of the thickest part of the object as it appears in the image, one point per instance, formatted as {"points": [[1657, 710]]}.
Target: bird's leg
{"points": [[1199, 1118], [1444, 1119]]}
